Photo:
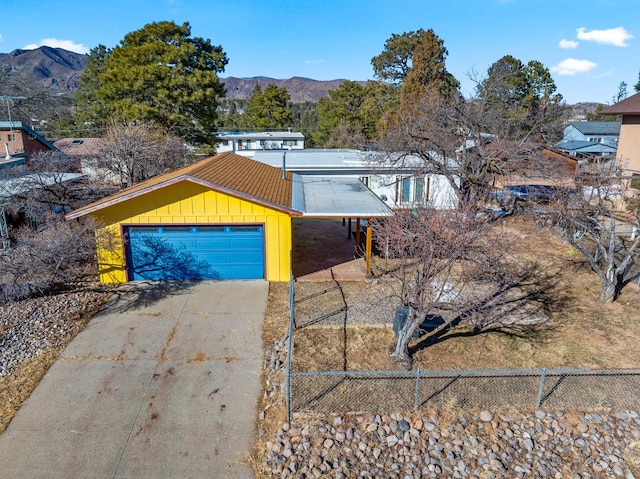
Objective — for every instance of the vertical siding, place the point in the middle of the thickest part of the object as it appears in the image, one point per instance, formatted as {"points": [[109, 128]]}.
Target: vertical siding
{"points": [[187, 202]]}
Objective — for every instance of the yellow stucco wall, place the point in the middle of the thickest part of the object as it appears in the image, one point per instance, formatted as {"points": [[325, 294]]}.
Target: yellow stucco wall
{"points": [[190, 203]]}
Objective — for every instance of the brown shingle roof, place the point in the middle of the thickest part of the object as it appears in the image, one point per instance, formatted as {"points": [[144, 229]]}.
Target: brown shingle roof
{"points": [[81, 147], [228, 172], [628, 106]]}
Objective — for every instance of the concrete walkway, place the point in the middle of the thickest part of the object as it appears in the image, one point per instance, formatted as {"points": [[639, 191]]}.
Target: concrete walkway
{"points": [[163, 383], [322, 251]]}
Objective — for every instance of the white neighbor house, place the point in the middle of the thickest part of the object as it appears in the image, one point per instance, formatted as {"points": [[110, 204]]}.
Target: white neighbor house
{"points": [[398, 187], [273, 140]]}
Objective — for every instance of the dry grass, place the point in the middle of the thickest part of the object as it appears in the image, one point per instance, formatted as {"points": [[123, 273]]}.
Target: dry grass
{"points": [[275, 326], [583, 333], [16, 388]]}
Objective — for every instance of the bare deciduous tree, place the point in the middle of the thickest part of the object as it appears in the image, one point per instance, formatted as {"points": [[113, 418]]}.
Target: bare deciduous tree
{"points": [[136, 152], [51, 182], [60, 254], [470, 142], [451, 266], [593, 223]]}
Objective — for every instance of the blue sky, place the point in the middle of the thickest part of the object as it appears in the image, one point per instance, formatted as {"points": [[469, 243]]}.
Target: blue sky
{"points": [[589, 45]]}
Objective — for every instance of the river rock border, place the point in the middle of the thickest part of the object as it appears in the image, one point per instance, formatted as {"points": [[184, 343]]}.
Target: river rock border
{"points": [[452, 444]]}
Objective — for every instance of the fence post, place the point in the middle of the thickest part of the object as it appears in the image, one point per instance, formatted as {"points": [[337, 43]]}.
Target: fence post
{"points": [[416, 402], [542, 375], [289, 348]]}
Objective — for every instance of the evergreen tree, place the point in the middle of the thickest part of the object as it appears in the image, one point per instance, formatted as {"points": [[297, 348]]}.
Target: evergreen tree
{"points": [[159, 74], [269, 109]]}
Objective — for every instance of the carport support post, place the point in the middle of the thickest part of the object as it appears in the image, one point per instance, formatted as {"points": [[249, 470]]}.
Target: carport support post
{"points": [[367, 253], [357, 233], [349, 229]]}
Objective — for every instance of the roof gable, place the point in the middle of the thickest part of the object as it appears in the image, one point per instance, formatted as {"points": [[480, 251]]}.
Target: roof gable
{"points": [[228, 172], [628, 106], [597, 127]]}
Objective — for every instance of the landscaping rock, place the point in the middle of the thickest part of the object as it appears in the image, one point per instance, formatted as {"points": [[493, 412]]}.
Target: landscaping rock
{"points": [[520, 445]]}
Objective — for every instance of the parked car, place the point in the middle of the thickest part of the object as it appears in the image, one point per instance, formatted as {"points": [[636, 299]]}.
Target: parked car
{"points": [[534, 193]]}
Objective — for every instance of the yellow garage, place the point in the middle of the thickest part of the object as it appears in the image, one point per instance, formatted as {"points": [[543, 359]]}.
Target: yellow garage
{"points": [[225, 217]]}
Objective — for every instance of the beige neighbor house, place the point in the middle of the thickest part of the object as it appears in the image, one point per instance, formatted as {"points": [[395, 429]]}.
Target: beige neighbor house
{"points": [[628, 154]]}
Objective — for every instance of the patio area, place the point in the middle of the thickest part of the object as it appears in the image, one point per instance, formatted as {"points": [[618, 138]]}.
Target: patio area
{"points": [[322, 250]]}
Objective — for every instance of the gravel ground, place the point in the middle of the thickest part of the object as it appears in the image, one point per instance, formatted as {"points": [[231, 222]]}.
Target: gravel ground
{"points": [[33, 333], [31, 327], [487, 445]]}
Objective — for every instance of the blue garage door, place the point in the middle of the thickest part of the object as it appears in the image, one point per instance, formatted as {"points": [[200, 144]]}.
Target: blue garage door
{"points": [[195, 252]]}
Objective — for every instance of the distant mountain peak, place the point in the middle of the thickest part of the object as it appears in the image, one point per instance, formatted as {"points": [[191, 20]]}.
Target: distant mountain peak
{"points": [[55, 68], [300, 89], [60, 70]]}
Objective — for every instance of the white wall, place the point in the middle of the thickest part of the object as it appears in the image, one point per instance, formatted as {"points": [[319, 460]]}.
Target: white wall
{"points": [[275, 143], [437, 191]]}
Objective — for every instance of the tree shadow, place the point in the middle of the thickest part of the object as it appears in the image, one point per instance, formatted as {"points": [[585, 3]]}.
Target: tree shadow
{"points": [[162, 270], [521, 309], [156, 259], [137, 295]]}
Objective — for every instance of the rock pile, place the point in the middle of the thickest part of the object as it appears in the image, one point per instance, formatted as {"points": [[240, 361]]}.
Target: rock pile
{"points": [[454, 444], [482, 445], [274, 367], [31, 327]]}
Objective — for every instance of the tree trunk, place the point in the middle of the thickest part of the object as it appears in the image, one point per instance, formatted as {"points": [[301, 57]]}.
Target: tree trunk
{"points": [[401, 351], [608, 294]]}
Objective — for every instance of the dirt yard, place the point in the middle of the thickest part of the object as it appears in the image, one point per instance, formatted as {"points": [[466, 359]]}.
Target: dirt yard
{"points": [[581, 333]]}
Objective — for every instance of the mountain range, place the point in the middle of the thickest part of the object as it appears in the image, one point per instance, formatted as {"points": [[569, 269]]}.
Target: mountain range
{"points": [[60, 70]]}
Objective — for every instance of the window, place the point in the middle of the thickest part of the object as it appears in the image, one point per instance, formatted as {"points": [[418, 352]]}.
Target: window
{"points": [[11, 137], [246, 228], [144, 229], [403, 190], [421, 191], [366, 180], [77, 142], [290, 142]]}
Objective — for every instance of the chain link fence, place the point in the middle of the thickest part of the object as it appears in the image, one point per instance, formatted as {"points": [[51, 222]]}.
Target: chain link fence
{"points": [[553, 389], [376, 391]]}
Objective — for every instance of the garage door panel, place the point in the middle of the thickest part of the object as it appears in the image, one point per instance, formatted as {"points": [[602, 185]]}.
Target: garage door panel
{"points": [[195, 252]]}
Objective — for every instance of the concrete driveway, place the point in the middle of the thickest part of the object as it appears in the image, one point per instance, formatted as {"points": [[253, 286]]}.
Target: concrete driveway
{"points": [[163, 383]]}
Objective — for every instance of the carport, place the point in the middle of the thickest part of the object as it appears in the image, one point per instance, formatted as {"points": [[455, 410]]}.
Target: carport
{"points": [[326, 202]]}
